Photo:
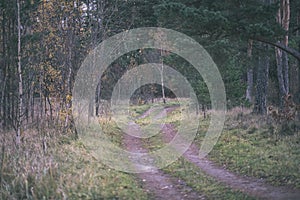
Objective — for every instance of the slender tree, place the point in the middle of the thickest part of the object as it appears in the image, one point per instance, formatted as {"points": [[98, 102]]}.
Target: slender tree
{"points": [[249, 91], [20, 81]]}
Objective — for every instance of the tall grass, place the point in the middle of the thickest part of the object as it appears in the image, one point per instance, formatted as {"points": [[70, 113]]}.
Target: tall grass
{"points": [[29, 171], [49, 166]]}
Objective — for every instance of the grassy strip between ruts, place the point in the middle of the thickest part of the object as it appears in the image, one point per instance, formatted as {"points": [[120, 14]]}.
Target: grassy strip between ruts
{"points": [[194, 177], [191, 174], [138, 110], [202, 183], [249, 146]]}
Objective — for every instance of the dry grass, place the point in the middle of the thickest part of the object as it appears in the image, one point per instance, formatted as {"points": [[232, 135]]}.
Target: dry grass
{"points": [[65, 169], [28, 170]]}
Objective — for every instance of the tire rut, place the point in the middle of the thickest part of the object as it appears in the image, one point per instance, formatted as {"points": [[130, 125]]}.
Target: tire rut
{"points": [[156, 182], [249, 185]]}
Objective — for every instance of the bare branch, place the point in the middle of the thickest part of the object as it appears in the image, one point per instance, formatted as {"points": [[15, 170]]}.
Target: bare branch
{"points": [[281, 46]]}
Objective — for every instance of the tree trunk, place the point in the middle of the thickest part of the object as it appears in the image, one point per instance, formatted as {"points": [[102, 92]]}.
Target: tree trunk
{"points": [[97, 100], [280, 74], [283, 18], [249, 90], [3, 103], [68, 84], [5, 74], [162, 83], [249, 96], [20, 107], [286, 71], [262, 85], [298, 22], [40, 116]]}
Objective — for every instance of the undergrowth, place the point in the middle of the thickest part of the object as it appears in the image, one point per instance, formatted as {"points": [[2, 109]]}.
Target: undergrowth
{"points": [[63, 169]]}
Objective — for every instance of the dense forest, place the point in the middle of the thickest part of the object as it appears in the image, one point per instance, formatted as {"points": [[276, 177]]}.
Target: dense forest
{"points": [[255, 44]]}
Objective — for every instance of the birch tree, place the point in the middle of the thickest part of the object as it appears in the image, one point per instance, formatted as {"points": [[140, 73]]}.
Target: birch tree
{"points": [[20, 81]]}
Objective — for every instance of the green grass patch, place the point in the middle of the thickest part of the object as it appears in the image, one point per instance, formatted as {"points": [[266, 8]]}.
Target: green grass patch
{"points": [[85, 177], [249, 145], [151, 143], [260, 154], [136, 111]]}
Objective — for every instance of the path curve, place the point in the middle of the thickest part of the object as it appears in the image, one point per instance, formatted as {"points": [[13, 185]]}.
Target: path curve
{"points": [[249, 185], [156, 182]]}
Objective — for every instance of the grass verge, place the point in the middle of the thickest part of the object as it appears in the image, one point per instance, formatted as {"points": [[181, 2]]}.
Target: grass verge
{"points": [[66, 169], [249, 145]]}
